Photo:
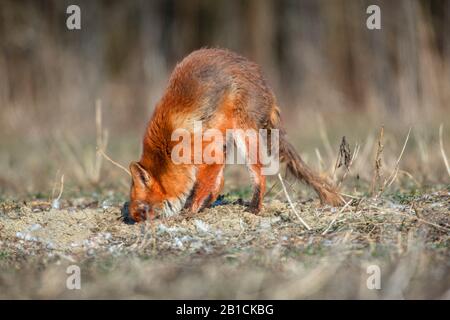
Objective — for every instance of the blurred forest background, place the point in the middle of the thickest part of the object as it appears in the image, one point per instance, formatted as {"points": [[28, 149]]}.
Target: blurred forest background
{"points": [[332, 77]]}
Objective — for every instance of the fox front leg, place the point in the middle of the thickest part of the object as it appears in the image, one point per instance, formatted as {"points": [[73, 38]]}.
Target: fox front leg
{"points": [[206, 189]]}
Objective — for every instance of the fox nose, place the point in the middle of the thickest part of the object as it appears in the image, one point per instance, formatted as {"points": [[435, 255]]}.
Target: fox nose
{"points": [[126, 216]]}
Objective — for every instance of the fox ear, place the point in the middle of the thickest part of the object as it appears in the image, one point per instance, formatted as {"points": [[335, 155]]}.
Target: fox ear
{"points": [[139, 174]]}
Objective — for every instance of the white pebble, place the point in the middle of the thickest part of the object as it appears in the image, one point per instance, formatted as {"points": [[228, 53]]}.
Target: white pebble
{"points": [[35, 227], [201, 226]]}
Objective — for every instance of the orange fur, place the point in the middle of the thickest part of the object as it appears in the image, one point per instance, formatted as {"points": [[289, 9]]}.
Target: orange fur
{"points": [[224, 91]]}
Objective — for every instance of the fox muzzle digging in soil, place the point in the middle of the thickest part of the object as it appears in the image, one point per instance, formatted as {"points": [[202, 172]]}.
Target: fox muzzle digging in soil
{"points": [[223, 91]]}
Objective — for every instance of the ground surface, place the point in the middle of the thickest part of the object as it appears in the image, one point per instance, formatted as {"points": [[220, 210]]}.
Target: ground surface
{"points": [[226, 252]]}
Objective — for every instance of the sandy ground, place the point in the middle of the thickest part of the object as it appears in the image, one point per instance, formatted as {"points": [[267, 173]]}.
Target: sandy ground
{"points": [[226, 252]]}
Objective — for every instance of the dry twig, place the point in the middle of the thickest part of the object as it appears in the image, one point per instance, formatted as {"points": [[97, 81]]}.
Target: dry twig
{"points": [[388, 182], [291, 204], [441, 144]]}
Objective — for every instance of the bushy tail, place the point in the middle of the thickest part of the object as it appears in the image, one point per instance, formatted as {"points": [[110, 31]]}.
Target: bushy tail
{"points": [[298, 168]]}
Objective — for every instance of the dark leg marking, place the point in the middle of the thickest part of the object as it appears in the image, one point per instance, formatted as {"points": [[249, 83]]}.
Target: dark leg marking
{"points": [[191, 196], [206, 202], [254, 204]]}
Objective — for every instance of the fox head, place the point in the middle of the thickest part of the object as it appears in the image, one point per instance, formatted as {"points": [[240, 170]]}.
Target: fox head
{"points": [[145, 196]]}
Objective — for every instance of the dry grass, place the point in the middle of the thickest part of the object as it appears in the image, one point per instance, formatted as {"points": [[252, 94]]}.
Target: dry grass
{"points": [[226, 252]]}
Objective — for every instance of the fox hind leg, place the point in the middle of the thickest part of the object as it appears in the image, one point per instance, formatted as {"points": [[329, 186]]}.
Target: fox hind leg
{"points": [[254, 166], [259, 188]]}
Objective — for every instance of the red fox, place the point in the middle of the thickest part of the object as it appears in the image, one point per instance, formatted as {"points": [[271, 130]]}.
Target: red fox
{"points": [[224, 91]]}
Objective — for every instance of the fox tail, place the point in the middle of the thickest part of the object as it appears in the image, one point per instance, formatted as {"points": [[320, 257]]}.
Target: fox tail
{"points": [[298, 168]]}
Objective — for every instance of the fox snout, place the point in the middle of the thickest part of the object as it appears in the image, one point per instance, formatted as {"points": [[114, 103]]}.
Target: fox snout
{"points": [[140, 210]]}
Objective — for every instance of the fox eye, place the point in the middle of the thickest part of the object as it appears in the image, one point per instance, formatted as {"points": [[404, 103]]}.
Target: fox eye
{"points": [[143, 210]]}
